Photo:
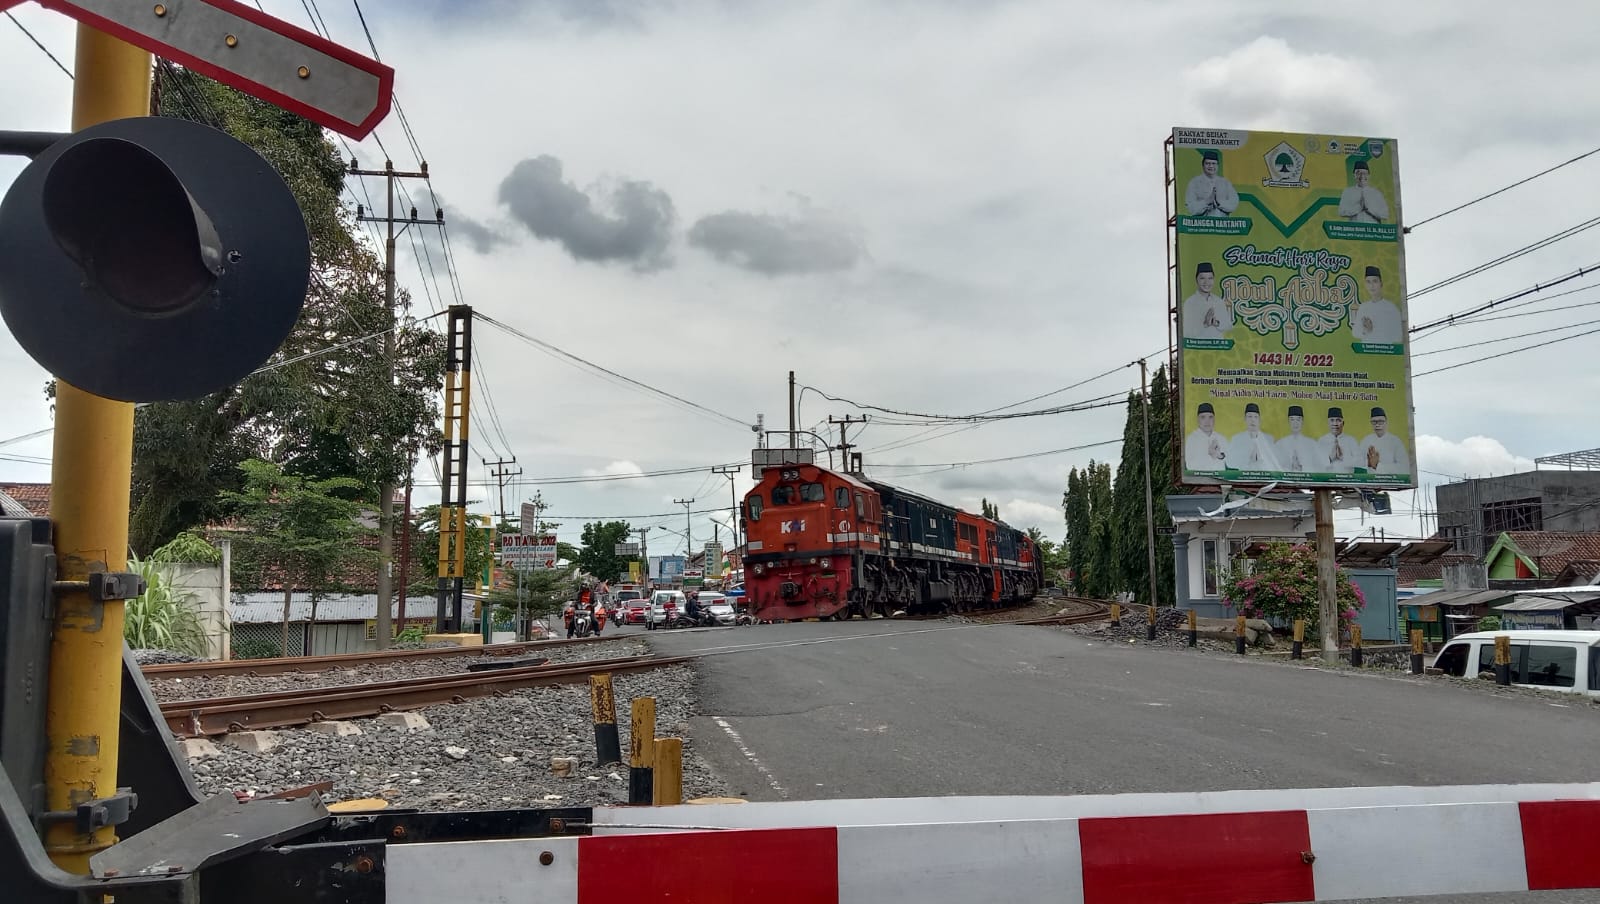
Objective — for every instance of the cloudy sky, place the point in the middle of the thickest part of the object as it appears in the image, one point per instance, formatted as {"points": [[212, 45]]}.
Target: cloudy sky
{"points": [[937, 206]]}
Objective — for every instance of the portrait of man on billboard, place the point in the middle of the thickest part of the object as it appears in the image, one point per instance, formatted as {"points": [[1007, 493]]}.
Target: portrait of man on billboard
{"points": [[1205, 449], [1253, 450], [1296, 451], [1205, 314], [1361, 203], [1210, 194], [1382, 451], [1377, 319], [1338, 449]]}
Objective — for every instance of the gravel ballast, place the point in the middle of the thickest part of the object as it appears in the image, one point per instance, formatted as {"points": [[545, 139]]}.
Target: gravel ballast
{"points": [[486, 753], [166, 689]]}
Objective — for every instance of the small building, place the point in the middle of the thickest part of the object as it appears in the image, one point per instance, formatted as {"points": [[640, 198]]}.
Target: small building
{"points": [[1538, 558], [1474, 513], [1568, 608], [1208, 541]]}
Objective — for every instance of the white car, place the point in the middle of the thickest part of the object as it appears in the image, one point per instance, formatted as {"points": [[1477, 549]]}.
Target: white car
{"points": [[1567, 661], [661, 602]]}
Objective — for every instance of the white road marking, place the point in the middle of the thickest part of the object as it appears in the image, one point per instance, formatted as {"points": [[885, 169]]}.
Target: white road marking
{"points": [[751, 756]]}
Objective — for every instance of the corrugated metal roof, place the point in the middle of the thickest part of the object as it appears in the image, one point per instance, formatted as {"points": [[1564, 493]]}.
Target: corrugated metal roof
{"points": [[267, 608], [1551, 602], [1194, 507], [1460, 598], [11, 508]]}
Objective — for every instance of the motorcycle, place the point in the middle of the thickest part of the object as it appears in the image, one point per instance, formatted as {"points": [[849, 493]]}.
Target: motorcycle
{"points": [[581, 625]]}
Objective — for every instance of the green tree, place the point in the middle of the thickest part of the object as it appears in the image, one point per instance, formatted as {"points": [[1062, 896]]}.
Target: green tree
{"points": [[1078, 542], [296, 531], [1129, 531], [599, 553], [480, 551], [542, 591], [990, 510], [1101, 578]]}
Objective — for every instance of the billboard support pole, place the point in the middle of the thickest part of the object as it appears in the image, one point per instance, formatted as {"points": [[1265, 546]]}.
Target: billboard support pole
{"points": [[1327, 578]]}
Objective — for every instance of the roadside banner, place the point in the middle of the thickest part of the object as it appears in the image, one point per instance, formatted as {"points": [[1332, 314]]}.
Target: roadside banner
{"points": [[1293, 359]]}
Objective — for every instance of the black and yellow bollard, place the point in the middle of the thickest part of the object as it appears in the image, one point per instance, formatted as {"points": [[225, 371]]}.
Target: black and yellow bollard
{"points": [[607, 742], [668, 771], [1416, 651], [1116, 615], [1194, 629], [1356, 656], [1238, 635], [641, 751], [1150, 633], [1297, 647], [1502, 660]]}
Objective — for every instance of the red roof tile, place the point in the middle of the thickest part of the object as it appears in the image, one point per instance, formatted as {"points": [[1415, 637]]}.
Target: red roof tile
{"points": [[1553, 550], [35, 497]]}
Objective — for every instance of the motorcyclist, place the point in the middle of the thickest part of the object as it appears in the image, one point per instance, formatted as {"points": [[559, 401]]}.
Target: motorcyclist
{"points": [[599, 619], [570, 617], [691, 608]]}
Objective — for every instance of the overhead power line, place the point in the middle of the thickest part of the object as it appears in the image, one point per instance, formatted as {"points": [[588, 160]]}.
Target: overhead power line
{"points": [[1499, 191], [1506, 258], [1553, 329], [600, 369], [1461, 316], [1525, 348], [950, 465], [39, 44]]}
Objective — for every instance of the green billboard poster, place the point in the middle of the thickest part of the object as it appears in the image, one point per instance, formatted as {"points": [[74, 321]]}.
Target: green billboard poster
{"points": [[1293, 358]]}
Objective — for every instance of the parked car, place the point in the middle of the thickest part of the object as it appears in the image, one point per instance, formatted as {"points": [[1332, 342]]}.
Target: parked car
{"points": [[635, 612], [1567, 661]]}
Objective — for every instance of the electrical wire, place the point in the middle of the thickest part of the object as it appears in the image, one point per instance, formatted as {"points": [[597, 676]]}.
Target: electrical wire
{"points": [[1462, 316], [39, 44], [600, 369], [952, 465], [1499, 191], [1514, 351], [1457, 348], [1506, 258]]}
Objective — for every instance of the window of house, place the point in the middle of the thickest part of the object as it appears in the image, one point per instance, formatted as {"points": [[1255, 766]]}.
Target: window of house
{"points": [[812, 492], [1208, 566], [841, 498]]}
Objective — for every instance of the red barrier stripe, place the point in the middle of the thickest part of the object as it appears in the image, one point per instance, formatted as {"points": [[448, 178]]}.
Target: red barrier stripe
{"points": [[1224, 858], [1558, 842], [711, 867]]}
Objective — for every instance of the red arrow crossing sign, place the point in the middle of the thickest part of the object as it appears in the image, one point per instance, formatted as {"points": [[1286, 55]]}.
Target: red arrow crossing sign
{"points": [[244, 47]]}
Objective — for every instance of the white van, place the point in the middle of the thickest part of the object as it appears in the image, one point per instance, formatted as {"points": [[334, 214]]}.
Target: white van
{"points": [[1566, 661]]}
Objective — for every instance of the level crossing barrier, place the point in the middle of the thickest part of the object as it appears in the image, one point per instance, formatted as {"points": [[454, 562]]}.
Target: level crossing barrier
{"points": [[1323, 844]]}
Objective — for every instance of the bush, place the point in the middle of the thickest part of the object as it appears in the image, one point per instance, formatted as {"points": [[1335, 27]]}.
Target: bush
{"points": [[412, 634], [188, 547], [1489, 623], [254, 648], [163, 617], [1283, 585]]}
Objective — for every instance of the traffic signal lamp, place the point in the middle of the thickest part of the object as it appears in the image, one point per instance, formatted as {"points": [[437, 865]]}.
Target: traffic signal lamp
{"points": [[151, 259]]}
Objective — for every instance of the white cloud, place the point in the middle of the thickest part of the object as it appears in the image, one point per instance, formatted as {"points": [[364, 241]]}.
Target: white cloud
{"points": [[614, 469], [1475, 456], [1025, 513], [1267, 84]]}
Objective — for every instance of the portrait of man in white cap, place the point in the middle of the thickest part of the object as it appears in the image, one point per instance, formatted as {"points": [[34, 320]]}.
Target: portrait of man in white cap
{"points": [[1210, 194], [1205, 314], [1337, 452], [1361, 203], [1253, 450], [1205, 449], [1297, 451], [1377, 319], [1381, 451]]}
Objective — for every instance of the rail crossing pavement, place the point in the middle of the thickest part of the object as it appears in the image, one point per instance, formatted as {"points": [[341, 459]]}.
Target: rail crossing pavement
{"points": [[1323, 844]]}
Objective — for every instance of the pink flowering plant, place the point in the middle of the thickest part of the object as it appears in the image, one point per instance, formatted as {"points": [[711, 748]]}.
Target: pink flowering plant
{"points": [[1283, 585]]}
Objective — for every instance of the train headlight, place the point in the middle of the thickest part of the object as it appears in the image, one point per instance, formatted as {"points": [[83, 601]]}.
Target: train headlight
{"points": [[813, 560]]}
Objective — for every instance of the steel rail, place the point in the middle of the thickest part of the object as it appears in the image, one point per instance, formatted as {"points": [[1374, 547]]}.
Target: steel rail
{"points": [[220, 715], [289, 664]]}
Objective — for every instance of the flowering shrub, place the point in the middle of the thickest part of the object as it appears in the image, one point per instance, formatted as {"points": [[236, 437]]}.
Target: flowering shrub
{"points": [[1283, 585]]}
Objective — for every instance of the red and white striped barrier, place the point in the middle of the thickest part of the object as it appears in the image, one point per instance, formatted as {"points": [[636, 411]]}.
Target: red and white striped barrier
{"points": [[1311, 845]]}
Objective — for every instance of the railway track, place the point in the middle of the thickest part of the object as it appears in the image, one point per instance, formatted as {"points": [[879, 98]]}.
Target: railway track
{"points": [[280, 709], [289, 664]]}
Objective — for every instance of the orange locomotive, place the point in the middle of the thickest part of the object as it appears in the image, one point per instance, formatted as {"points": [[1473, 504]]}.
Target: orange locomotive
{"points": [[826, 544]]}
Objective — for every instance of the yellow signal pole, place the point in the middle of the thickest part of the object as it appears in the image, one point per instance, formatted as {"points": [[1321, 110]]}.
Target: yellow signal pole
{"points": [[89, 489]]}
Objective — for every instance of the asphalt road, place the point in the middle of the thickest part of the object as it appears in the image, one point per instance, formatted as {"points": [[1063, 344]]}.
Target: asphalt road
{"points": [[910, 709]]}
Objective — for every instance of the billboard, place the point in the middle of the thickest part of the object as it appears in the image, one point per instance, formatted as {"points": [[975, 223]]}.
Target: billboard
{"points": [[525, 553], [1293, 360]]}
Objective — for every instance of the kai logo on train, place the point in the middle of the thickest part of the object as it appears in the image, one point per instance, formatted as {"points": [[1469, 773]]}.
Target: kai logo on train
{"points": [[792, 527]]}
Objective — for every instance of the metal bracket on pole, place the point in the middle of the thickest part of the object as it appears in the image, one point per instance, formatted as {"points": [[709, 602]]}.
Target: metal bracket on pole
{"points": [[96, 814], [27, 144], [105, 586]]}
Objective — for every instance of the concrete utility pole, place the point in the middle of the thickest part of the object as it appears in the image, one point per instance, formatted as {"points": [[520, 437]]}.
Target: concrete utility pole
{"points": [[1327, 577], [499, 471], [688, 527], [730, 473], [644, 552], [844, 444], [1149, 494], [386, 490]]}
